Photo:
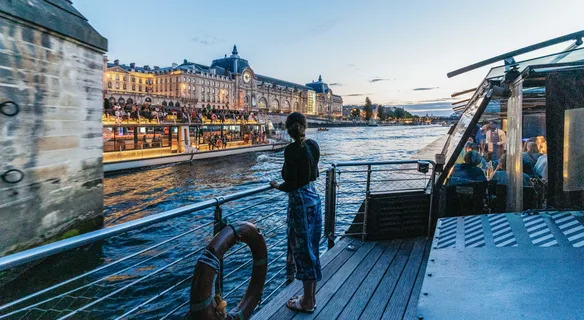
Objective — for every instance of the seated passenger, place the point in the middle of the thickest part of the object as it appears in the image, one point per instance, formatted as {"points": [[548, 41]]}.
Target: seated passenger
{"points": [[541, 167], [467, 172], [530, 157], [502, 178]]}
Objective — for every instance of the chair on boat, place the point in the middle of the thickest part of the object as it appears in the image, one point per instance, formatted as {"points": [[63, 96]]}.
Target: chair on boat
{"points": [[465, 199], [498, 198]]}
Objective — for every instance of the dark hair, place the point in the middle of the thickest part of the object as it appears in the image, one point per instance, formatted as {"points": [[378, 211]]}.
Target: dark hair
{"points": [[296, 126], [473, 158]]}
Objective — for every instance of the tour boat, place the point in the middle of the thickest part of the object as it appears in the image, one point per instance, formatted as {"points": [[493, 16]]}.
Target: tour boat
{"points": [[130, 144]]}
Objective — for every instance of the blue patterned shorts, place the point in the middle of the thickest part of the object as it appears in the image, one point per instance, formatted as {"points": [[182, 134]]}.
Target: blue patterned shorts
{"points": [[304, 232]]}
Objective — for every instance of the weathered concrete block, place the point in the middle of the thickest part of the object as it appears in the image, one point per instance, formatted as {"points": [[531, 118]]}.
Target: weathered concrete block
{"points": [[54, 141]]}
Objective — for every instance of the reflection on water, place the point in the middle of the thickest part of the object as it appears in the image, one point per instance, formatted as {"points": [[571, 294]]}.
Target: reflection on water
{"points": [[137, 194]]}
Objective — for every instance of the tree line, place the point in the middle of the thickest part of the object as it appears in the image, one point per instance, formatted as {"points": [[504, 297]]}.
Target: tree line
{"points": [[383, 113]]}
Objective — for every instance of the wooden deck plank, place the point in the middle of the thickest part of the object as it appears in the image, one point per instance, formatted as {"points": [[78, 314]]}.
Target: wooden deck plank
{"points": [[338, 301], [359, 301], [398, 302], [385, 288], [285, 313], [412, 309], [323, 296], [280, 299], [277, 309]]}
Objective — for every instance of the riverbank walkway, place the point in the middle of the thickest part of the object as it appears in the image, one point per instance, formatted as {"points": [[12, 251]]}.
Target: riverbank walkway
{"points": [[367, 280]]}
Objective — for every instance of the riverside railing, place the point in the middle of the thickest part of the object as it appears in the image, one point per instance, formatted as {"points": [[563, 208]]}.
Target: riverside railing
{"points": [[349, 186], [153, 280], [132, 284]]}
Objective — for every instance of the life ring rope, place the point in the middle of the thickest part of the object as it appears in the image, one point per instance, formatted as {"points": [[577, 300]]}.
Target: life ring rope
{"points": [[210, 259]]}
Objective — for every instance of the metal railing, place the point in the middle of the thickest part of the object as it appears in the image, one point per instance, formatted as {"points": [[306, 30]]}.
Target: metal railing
{"points": [[135, 282], [150, 276], [349, 186]]}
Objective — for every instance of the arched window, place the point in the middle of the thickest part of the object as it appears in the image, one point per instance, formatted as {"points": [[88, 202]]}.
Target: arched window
{"points": [[263, 103], [177, 105], [148, 100], [140, 88], [117, 85], [112, 100], [133, 79], [124, 86], [140, 80], [164, 103], [125, 78], [171, 104], [133, 86], [130, 101], [109, 84], [121, 101], [117, 77]]}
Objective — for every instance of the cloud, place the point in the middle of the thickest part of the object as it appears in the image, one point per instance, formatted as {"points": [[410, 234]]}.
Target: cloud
{"points": [[425, 89], [324, 26], [356, 94], [207, 39], [378, 79], [350, 65], [335, 84]]}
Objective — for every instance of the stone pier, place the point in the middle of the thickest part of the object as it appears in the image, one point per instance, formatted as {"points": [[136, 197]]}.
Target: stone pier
{"points": [[51, 102]]}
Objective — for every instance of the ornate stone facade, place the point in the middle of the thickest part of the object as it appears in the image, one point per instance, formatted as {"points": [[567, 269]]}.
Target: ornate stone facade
{"points": [[228, 83]]}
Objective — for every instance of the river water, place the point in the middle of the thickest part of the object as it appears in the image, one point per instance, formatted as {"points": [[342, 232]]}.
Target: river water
{"points": [[137, 194]]}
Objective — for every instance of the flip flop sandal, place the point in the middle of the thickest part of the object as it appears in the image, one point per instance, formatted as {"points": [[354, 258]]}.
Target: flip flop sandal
{"points": [[294, 304]]}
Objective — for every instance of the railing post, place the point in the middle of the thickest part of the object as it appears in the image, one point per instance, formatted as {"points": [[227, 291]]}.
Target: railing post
{"points": [[329, 207], [432, 186], [367, 192], [217, 226]]}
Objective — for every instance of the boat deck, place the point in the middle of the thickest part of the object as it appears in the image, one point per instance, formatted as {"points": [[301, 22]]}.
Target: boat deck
{"points": [[367, 280]]}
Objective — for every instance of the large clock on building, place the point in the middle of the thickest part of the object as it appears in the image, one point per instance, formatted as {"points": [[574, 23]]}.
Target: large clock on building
{"points": [[246, 77]]}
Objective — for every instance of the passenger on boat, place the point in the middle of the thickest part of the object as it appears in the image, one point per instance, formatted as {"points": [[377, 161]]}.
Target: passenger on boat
{"points": [[304, 219], [468, 172], [541, 167], [502, 178], [496, 140], [530, 157]]}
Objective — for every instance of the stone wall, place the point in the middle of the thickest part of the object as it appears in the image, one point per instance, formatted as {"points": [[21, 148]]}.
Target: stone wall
{"points": [[55, 140]]}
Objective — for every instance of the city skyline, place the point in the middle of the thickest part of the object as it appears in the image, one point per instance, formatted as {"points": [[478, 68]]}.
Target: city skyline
{"points": [[395, 53]]}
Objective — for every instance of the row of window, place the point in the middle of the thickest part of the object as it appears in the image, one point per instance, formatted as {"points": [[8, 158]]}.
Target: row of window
{"points": [[125, 87], [177, 79], [133, 79]]}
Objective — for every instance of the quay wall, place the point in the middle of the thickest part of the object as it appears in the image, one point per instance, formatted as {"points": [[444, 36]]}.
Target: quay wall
{"points": [[51, 76]]}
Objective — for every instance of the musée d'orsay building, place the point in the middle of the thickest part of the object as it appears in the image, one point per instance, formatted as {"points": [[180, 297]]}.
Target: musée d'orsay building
{"points": [[228, 83]]}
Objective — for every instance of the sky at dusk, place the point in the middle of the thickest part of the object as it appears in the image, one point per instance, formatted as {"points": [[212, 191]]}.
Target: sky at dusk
{"points": [[395, 52]]}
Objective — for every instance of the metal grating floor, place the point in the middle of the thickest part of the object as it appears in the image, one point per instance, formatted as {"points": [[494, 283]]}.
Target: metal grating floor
{"points": [[506, 266]]}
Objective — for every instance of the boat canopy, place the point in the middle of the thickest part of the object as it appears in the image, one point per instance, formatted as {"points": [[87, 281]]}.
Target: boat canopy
{"points": [[521, 98]]}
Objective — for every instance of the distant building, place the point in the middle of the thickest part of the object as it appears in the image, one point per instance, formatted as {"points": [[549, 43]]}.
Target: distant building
{"points": [[228, 83]]}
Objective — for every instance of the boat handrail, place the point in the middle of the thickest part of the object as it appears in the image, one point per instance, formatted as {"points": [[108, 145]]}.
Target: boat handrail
{"points": [[402, 175], [377, 163], [23, 257], [105, 277]]}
